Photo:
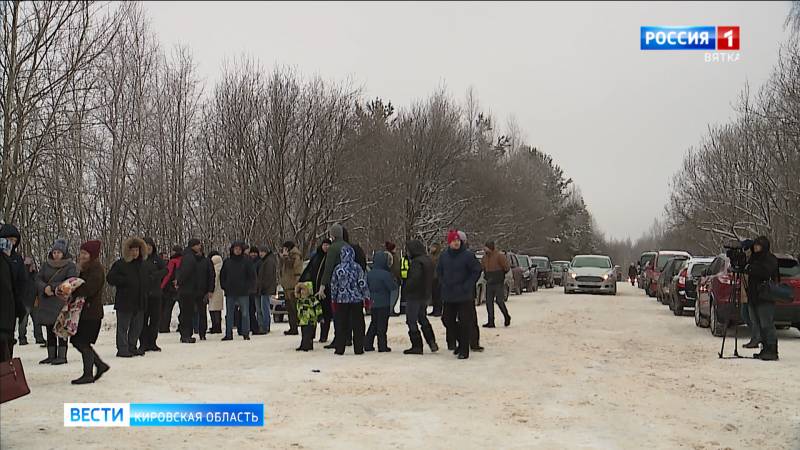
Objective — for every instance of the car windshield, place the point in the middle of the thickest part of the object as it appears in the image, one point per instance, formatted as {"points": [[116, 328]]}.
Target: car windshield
{"points": [[523, 262], [698, 268], [598, 262], [664, 259], [540, 263], [788, 268], [559, 265]]}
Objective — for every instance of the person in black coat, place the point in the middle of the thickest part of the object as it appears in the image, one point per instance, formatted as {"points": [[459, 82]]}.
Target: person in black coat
{"points": [[152, 312], [418, 291], [7, 312], [190, 288], [207, 280], [236, 278], [255, 299], [18, 276], [458, 271], [761, 268], [267, 282], [314, 272], [130, 275]]}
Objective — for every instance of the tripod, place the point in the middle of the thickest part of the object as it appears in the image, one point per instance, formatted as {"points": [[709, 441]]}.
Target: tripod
{"points": [[736, 301]]}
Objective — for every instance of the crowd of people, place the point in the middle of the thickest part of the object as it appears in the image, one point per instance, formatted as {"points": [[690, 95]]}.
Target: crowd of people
{"points": [[334, 288]]}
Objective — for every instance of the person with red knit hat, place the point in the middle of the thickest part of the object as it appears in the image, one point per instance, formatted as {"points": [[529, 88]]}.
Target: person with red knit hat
{"points": [[94, 277], [458, 270]]}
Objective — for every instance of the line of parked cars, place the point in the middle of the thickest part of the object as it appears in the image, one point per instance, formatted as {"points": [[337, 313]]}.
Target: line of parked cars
{"points": [[527, 274], [707, 284]]}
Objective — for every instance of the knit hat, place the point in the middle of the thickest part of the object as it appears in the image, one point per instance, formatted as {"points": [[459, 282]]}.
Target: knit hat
{"points": [[92, 248], [390, 246], [149, 241], [60, 245], [452, 235], [193, 242]]}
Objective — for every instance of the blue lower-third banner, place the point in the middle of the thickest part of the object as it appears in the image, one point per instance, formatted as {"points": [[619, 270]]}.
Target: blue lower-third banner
{"points": [[163, 414]]}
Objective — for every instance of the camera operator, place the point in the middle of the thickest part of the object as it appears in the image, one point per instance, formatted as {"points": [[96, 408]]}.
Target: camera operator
{"points": [[761, 268]]}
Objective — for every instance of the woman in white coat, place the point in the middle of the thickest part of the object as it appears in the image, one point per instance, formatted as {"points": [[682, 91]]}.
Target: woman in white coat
{"points": [[216, 302]]}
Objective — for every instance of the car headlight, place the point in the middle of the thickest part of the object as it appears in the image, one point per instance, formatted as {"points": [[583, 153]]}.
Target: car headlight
{"points": [[572, 274]]}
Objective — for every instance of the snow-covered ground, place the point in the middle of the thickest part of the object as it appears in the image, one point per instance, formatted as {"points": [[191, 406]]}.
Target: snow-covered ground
{"points": [[574, 371]]}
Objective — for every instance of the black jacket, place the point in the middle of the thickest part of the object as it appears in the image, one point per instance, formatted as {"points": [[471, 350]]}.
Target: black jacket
{"points": [[458, 271], [762, 267], [315, 269], [131, 280], [19, 278], [158, 270], [267, 277], [7, 303], [192, 275], [419, 282], [237, 275]]}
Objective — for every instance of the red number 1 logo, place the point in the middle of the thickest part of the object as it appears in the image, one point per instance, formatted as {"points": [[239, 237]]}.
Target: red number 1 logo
{"points": [[727, 38]]}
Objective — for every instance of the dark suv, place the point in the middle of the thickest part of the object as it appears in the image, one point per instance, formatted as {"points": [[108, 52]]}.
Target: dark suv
{"points": [[544, 271], [664, 284]]}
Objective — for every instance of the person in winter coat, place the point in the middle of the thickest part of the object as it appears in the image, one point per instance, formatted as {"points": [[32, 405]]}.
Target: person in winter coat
{"points": [[761, 268], [29, 299], [130, 275], [436, 299], [7, 305], [475, 336], [236, 277], [255, 299], [152, 312], [458, 272], [396, 264], [20, 282], [417, 293], [217, 300], [349, 290], [381, 284], [94, 277], [206, 271], [58, 268], [314, 272], [191, 281], [308, 312], [267, 281], [495, 267], [291, 263], [168, 289]]}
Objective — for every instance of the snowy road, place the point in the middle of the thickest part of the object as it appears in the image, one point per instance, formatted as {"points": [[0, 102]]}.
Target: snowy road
{"points": [[574, 371]]}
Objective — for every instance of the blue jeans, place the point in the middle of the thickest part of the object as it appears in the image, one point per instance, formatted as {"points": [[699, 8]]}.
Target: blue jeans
{"points": [[244, 306], [263, 312]]}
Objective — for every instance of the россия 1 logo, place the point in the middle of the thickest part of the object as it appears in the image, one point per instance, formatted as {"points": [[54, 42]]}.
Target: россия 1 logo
{"points": [[709, 38]]}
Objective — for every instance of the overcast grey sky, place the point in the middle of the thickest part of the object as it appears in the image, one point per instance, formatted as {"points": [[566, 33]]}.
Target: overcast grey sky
{"points": [[617, 119]]}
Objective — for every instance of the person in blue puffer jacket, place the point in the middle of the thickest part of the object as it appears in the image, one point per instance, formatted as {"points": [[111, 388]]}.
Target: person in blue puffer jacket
{"points": [[349, 291]]}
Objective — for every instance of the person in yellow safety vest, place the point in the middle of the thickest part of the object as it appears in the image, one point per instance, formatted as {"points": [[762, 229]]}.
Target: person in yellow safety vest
{"points": [[404, 268]]}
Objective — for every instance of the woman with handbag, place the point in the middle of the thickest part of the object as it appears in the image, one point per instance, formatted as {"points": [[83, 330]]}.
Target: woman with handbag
{"points": [[93, 274], [58, 268]]}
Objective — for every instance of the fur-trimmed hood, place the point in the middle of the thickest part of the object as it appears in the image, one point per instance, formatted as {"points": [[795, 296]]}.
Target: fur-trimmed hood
{"points": [[130, 242]]}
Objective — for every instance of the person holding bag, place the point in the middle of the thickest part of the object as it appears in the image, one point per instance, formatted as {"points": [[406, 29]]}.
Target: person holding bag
{"points": [[58, 268], [93, 274]]}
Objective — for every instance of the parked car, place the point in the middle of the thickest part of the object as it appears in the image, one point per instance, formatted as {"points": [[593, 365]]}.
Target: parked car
{"points": [[559, 268], [480, 286], [516, 272], [714, 296], [684, 284], [645, 259], [528, 273], [663, 292], [544, 272], [653, 271], [278, 306], [591, 273]]}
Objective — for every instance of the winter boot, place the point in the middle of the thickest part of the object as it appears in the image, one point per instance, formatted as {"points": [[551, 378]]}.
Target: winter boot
{"points": [[101, 366], [88, 367], [51, 355], [416, 344], [752, 344], [430, 338], [769, 353], [324, 327], [61, 357]]}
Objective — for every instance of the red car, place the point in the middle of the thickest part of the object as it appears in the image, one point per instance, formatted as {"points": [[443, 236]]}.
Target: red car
{"points": [[714, 294], [653, 271]]}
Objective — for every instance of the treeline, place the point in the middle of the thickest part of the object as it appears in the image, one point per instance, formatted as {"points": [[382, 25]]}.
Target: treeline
{"points": [[106, 134]]}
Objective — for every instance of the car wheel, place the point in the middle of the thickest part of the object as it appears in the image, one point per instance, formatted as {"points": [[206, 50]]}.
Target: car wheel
{"points": [[677, 307], [717, 327], [699, 320]]}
